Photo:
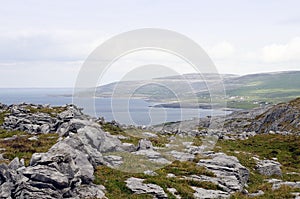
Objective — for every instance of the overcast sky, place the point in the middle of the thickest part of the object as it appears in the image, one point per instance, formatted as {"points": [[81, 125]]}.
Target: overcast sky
{"points": [[44, 43]]}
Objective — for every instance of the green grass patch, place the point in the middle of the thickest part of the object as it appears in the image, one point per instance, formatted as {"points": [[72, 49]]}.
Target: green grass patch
{"points": [[22, 147], [5, 133], [284, 192], [2, 116], [284, 148], [114, 180], [242, 104], [52, 111], [186, 169]]}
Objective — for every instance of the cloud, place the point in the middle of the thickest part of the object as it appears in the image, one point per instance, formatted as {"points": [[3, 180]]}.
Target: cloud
{"points": [[39, 74], [282, 52], [222, 50], [33, 45]]}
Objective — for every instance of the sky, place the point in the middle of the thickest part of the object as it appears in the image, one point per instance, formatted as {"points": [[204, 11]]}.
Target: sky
{"points": [[45, 43]]}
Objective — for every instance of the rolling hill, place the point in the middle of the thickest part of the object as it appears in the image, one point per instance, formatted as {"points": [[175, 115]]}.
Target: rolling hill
{"points": [[246, 91]]}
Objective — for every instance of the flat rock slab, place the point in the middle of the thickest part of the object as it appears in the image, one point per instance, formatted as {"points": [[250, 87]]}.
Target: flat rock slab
{"points": [[268, 167], [209, 194], [138, 187], [230, 173]]}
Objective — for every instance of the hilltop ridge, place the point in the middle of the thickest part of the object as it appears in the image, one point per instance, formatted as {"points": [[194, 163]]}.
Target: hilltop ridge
{"points": [[59, 152]]}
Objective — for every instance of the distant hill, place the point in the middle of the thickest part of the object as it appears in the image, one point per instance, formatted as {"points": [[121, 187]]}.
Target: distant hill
{"points": [[269, 85], [246, 91]]}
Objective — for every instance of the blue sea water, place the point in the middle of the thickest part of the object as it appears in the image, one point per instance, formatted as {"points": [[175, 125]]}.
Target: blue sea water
{"points": [[133, 111]]}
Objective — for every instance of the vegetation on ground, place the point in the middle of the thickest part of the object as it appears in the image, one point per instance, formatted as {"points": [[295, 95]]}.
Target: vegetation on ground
{"points": [[20, 146], [284, 148], [52, 111], [114, 180]]}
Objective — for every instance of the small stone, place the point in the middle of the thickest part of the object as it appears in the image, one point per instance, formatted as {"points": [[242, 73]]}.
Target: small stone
{"points": [[34, 138], [256, 194], [144, 144], [201, 193], [149, 135], [171, 175], [150, 173]]}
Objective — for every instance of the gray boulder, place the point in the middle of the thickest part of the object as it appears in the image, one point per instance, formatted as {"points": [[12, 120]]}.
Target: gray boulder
{"points": [[6, 189], [144, 144], [182, 156], [138, 187], [47, 174], [88, 191], [268, 167], [229, 172], [201, 193]]}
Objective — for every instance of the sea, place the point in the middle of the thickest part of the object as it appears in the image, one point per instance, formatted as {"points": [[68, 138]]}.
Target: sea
{"points": [[125, 111]]}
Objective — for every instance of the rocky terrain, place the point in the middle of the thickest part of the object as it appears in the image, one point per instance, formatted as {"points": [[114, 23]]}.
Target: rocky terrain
{"points": [[58, 152]]}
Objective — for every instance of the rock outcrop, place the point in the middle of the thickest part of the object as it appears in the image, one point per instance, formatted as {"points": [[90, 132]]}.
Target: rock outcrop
{"points": [[67, 169], [284, 117], [138, 187], [39, 118], [268, 167], [230, 174]]}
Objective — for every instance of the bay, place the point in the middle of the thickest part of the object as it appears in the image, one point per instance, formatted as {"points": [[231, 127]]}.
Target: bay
{"points": [[125, 111]]}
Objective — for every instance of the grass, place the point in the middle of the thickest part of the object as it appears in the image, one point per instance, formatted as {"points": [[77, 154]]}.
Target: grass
{"points": [[284, 192], [112, 129], [114, 180], [52, 111], [6, 133], [134, 135], [186, 168], [242, 104], [116, 130], [284, 148], [2, 116], [22, 147], [135, 163]]}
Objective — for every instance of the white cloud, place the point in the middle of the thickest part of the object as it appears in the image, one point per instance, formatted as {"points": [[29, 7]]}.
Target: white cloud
{"points": [[39, 74], [222, 50], [282, 52], [32, 45]]}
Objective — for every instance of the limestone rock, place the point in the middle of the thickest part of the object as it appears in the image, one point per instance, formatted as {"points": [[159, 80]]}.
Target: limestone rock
{"points": [[268, 167], [48, 175], [229, 172], [182, 156], [138, 187], [209, 194], [144, 144]]}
